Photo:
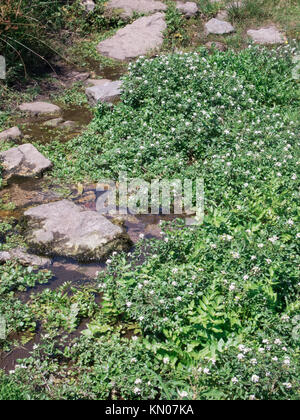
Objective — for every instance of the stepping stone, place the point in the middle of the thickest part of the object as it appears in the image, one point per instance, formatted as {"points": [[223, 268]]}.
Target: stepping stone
{"points": [[24, 161], [219, 27], [189, 9], [269, 35], [10, 134], [54, 122], [22, 257], [88, 5], [65, 229], [105, 92], [128, 7], [39, 108], [138, 38]]}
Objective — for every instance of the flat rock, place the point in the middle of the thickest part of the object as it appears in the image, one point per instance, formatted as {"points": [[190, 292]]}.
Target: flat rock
{"points": [[138, 38], [53, 123], [270, 35], [128, 7], [65, 229], [22, 257], [219, 27], [105, 92], [189, 9], [39, 108], [10, 134], [24, 161]]}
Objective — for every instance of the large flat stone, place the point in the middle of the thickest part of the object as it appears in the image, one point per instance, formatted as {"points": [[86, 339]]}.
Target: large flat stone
{"points": [[219, 27], [269, 35], [128, 7], [10, 134], [106, 92], [24, 161], [138, 38], [40, 108], [65, 229]]}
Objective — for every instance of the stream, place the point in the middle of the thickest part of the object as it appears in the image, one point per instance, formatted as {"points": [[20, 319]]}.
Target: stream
{"points": [[25, 193]]}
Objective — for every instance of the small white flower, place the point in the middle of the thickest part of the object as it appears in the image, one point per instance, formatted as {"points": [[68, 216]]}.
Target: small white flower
{"points": [[234, 380], [166, 360], [252, 397], [206, 371], [128, 304], [287, 385], [137, 390], [255, 379], [240, 356], [138, 381]]}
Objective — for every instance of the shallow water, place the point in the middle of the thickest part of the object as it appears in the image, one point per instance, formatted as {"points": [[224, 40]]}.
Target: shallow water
{"points": [[34, 130]]}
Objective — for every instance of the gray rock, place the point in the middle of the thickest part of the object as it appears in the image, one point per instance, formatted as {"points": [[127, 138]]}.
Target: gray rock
{"points": [[10, 134], [220, 27], [40, 108], [269, 35], [24, 161], [107, 92], [189, 9], [65, 229], [54, 122], [128, 7], [22, 257], [88, 5], [138, 38]]}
